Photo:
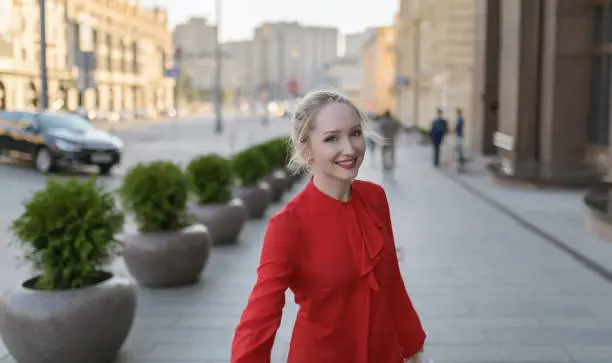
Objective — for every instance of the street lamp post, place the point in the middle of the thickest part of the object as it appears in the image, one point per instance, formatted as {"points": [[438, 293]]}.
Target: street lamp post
{"points": [[44, 87], [218, 70]]}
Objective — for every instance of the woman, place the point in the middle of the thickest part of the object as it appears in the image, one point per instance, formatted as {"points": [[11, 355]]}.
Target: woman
{"points": [[332, 245]]}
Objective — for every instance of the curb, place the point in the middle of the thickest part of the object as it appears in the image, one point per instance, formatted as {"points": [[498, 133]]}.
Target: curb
{"points": [[579, 257]]}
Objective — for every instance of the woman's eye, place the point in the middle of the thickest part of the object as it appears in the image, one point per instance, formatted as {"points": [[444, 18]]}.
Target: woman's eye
{"points": [[330, 139], [357, 133]]}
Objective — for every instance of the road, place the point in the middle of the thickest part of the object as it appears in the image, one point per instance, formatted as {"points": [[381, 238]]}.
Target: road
{"points": [[488, 290]]}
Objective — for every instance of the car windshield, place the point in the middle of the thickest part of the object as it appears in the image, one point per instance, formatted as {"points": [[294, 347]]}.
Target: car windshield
{"points": [[64, 121]]}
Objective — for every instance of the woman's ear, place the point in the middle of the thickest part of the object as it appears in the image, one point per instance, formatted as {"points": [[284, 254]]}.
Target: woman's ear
{"points": [[306, 154]]}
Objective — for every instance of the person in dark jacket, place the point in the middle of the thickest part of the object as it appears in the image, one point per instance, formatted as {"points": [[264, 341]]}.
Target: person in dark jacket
{"points": [[459, 125], [439, 129]]}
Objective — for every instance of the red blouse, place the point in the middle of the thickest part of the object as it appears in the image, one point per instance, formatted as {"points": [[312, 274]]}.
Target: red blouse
{"points": [[339, 260]]}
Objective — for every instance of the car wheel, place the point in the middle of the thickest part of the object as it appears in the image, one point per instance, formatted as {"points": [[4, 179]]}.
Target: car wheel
{"points": [[105, 169], [44, 161]]}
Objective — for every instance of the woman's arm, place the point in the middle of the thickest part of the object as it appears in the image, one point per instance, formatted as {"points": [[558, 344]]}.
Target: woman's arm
{"points": [[408, 324], [261, 318]]}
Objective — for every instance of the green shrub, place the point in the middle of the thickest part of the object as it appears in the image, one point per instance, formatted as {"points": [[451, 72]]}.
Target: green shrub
{"points": [[211, 179], [250, 166], [157, 194], [68, 230], [282, 147], [270, 153], [276, 152]]}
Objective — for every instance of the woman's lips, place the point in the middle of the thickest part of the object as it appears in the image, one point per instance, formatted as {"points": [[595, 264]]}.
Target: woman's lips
{"points": [[347, 164]]}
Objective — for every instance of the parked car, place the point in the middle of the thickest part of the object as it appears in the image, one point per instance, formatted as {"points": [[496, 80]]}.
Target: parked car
{"points": [[52, 139]]}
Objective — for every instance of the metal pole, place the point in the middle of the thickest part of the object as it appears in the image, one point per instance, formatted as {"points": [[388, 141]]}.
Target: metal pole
{"points": [[417, 70], [44, 87], [266, 86], [218, 69]]}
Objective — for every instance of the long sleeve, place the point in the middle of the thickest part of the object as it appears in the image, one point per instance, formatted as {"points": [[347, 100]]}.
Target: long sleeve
{"points": [[408, 324], [254, 335]]}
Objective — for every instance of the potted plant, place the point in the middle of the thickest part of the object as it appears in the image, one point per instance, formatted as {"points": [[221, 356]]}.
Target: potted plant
{"points": [[250, 168], [167, 250], [211, 181], [425, 137], [276, 178], [62, 313]]}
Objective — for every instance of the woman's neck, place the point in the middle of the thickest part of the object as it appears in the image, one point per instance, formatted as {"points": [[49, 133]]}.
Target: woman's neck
{"points": [[337, 189]]}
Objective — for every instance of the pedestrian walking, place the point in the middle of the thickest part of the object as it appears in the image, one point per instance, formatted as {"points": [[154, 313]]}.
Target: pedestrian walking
{"points": [[374, 126], [459, 124], [389, 128], [333, 246], [439, 128]]}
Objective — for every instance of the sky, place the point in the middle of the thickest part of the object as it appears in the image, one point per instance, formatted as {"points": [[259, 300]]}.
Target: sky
{"points": [[239, 17]]}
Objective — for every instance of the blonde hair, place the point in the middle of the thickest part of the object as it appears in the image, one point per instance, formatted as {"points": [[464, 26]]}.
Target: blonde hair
{"points": [[304, 119]]}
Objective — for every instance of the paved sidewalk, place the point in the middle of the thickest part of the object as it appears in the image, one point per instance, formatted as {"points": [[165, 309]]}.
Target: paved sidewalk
{"points": [[487, 289], [559, 214]]}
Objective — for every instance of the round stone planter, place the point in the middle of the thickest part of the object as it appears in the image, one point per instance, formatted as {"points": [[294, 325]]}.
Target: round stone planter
{"points": [[168, 258], [87, 325], [293, 178], [223, 221], [278, 184], [256, 199]]}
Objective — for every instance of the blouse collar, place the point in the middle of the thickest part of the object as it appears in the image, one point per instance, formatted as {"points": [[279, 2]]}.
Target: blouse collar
{"points": [[321, 197]]}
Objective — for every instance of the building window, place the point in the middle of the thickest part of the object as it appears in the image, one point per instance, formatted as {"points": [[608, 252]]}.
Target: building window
{"points": [[109, 56], [124, 60], [135, 55], [163, 62], [95, 40]]}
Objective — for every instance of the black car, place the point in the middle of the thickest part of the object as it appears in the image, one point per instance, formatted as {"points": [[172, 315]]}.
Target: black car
{"points": [[52, 139]]}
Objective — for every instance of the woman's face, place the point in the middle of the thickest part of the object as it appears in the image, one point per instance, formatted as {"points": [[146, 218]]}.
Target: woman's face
{"points": [[336, 144]]}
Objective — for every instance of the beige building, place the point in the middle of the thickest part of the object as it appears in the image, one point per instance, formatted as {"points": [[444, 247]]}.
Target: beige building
{"points": [[378, 61], [132, 47], [435, 58], [195, 37], [289, 51]]}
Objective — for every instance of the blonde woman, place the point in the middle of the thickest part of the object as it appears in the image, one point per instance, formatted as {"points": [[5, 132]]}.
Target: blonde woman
{"points": [[333, 246]]}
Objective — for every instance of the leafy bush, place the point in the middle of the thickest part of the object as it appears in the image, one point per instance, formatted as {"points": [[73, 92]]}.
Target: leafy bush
{"points": [[282, 147], [250, 166], [276, 152], [271, 153], [69, 232], [423, 131], [157, 194], [211, 178]]}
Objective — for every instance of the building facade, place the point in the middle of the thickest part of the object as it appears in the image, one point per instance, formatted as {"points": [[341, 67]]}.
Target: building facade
{"points": [[131, 47], [353, 42], [378, 59], [287, 52], [542, 88], [195, 37], [345, 74], [435, 58]]}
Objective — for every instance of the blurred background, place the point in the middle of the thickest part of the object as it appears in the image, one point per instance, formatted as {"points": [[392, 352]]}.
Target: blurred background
{"points": [[496, 252]]}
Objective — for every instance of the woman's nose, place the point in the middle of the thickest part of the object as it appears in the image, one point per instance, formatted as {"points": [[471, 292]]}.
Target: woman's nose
{"points": [[348, 147]]}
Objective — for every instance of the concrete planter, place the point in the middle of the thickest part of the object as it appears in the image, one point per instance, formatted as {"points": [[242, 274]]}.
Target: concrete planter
{"points": [[223, 221], [293, 178], [87, 325], [168, 258], [256, 199], [278, 184]]}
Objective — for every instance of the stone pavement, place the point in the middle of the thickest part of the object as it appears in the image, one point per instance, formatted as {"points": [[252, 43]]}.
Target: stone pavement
{"points": [[487, 289], [558, 214]]}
